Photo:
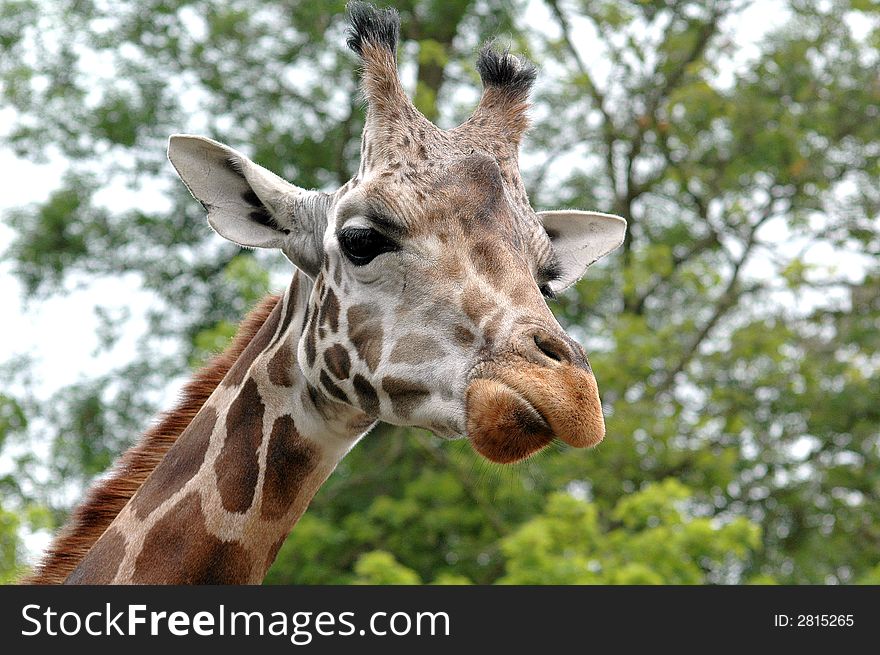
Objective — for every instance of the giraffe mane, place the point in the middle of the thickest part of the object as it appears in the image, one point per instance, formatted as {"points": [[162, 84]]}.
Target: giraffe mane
{"points": [[110, 494]]}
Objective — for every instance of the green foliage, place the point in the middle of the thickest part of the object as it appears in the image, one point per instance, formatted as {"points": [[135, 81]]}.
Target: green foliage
{"points": [[10, 547], [872, 577], [12, 418], [380, 567], [734, 336], [651, 539], [249, 282]]}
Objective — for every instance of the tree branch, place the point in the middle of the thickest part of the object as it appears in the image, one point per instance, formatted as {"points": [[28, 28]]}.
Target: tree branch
{"points": [[728, 299], [670, 83], [608, 127]]}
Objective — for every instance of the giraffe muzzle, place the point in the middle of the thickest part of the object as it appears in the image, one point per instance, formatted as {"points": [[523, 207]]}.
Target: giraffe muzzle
{"points": [[518, 409]]}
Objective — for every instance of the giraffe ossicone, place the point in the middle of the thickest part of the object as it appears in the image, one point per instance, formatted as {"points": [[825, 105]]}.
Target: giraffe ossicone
{"points": [[417, 299]]}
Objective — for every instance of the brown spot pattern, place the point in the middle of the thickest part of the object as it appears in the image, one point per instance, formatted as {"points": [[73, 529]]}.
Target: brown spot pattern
{"points": [[491, 330], [462, 335], [257, 345], [111, 493], [484, 255], [237, 466], [182, 462], [311, 348], [102, 562], [330, 311], [281, 366], [450, 264], [360, 422], [331, 387], [358, 315], [405, 395], [180, 550], [416, 349], [338, 361], [475, 305], [367, 397], [288, 311], [289, 460], [365, 333]]}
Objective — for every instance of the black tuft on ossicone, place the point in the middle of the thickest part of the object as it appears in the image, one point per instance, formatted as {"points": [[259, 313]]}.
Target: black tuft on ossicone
{"points": [[506, 71], [378, 26]]}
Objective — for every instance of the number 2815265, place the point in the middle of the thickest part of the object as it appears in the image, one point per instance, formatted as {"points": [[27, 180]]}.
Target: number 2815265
{"points": [[814, 621]]}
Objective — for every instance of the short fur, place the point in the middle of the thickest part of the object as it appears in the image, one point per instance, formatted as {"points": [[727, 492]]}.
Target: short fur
{"points": [[109, 495]]}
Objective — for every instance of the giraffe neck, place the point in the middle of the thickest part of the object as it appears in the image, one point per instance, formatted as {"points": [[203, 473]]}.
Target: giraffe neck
{"points": [[221, 502]]}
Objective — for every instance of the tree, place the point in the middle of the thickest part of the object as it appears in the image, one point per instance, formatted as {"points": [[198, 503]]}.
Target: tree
{"points": [[734, 337], [652, 541]]}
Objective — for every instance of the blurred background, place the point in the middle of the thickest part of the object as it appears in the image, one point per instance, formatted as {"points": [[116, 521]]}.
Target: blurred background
{"points": [[734, 336]]}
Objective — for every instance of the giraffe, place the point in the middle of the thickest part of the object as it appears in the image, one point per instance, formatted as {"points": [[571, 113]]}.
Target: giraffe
{"points": [[417, 298]]}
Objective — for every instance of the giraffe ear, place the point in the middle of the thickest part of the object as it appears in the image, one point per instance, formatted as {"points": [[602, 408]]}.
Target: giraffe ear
{"points": [[248, 204], [580, 239]]}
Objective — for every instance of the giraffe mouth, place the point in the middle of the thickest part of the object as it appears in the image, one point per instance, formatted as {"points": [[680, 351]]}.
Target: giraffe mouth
{"points": [[503, 425], [513, 415]]}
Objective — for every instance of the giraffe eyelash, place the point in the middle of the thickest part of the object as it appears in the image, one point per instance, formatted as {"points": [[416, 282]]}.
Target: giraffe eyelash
{"points": [[549, 272], [361, 245]]}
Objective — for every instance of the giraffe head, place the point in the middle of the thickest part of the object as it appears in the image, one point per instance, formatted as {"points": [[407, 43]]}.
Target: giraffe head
{"points": [[430, 267]]}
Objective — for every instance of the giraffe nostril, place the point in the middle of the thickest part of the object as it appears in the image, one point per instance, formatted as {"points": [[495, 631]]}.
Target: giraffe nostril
{"points": [[549, 348]]}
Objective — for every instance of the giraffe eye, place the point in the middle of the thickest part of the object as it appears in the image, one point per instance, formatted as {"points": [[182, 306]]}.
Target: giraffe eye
{"points": [[361, 245], [549, 272]]}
